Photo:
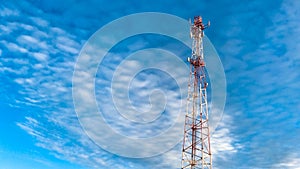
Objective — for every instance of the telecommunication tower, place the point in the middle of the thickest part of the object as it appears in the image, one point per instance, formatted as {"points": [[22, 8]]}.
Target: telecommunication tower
{"points": [[196, 150]]}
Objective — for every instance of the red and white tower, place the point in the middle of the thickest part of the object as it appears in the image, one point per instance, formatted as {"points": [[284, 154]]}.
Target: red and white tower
{"points": [[196, 150]]}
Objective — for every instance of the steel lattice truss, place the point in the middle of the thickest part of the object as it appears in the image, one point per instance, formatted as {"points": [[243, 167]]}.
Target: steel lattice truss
{"points": [[196, 151]]}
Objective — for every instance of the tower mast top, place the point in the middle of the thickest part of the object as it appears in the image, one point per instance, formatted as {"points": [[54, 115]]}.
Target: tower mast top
{"points": [[197, 33], [199, 24]]}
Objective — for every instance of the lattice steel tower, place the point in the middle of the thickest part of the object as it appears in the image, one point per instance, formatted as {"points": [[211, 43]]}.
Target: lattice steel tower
{"points": [[196, 150]]}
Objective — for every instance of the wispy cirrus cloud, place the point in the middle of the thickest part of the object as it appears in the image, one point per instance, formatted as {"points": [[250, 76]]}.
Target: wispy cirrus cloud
{"points": [[4, 12], [65, 138], [44, 81], [261, 76], [289, 162], [44, 84], [259, 49]]}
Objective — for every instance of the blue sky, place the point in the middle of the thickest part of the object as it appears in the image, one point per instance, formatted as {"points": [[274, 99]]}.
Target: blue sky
{"points": [[257, 42]]}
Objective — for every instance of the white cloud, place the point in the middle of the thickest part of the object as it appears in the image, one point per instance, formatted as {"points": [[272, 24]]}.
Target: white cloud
{"points": [[47, 86], [4, 29], [8, 69], [67, 48], [4, 62], [50, 85], [27, 81], [288, 162], [39, 21], [14, 47], [4, 12], [170, 159], [27, 39], [40, 56], [223, 142], [56, 128], [29, 127]]}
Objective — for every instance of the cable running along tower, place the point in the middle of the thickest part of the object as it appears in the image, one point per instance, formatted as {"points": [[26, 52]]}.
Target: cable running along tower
{"points": [[196, 150]]}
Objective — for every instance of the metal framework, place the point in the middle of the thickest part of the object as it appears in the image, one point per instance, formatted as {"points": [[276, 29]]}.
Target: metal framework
{"points": [[196, 150]]}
